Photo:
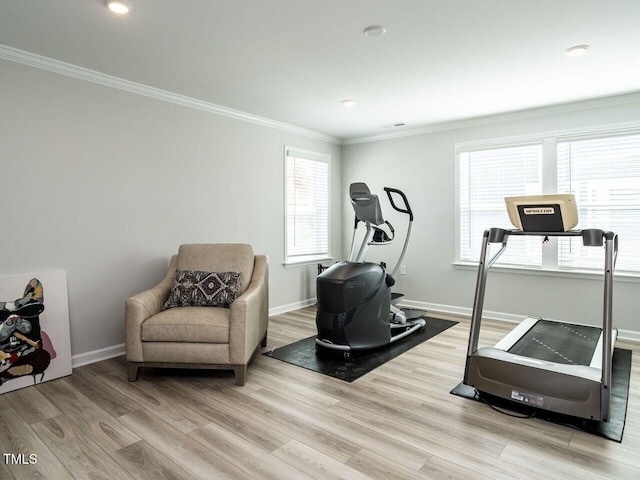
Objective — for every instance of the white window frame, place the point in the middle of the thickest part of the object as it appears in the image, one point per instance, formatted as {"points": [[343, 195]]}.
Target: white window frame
{"points": [[293, 259], [549, 141]]}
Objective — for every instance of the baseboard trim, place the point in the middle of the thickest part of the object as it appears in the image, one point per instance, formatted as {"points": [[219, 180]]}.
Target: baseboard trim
{"points": [[629, 335], [94, 356], [292, 306], [463, 312]]}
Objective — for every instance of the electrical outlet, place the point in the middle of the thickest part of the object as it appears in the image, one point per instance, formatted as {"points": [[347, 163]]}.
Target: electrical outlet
{"points": [[403, 269]]}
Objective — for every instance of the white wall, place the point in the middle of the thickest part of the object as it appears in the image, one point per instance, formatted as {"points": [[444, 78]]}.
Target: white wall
{"points": [[106, 185], [423, 166]]}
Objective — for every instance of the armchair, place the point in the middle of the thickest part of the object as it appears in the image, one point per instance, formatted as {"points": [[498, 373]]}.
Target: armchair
{"points": [[178, 334]]}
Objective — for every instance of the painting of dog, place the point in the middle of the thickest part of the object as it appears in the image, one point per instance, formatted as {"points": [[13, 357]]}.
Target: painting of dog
{"points": [[27, 351]]}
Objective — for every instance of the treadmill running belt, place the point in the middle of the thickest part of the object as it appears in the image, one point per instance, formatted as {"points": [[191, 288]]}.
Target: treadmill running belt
{"points": [[558, 342]]}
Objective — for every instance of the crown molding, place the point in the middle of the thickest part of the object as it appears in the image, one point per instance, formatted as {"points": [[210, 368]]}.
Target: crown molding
{"points": [[93, 76], [504, 117]]}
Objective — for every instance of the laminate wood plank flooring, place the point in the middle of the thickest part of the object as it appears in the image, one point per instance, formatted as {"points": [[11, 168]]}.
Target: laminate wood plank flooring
{"points": [[397, 422]]}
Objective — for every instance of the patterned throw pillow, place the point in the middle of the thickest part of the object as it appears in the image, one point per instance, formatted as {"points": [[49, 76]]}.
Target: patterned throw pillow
{"points": [[203, 289]]}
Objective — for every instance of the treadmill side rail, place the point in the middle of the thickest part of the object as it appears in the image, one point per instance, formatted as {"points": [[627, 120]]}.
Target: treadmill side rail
{"points": [[517, 333]]}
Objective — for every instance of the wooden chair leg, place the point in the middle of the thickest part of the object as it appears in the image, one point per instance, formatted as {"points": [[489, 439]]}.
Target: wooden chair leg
{"points": [[241, 374], [133, 371]]}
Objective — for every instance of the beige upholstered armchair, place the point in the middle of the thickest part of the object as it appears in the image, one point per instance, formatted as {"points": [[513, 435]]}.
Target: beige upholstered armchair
{"points": [[230, 285]]}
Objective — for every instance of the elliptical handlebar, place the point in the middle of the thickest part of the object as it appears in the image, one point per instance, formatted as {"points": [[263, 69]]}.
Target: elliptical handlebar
{"points": [[407, 207]]}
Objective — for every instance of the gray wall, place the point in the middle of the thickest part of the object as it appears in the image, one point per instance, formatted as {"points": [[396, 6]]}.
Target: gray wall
{"points": [[423, 166], [106, 185]]}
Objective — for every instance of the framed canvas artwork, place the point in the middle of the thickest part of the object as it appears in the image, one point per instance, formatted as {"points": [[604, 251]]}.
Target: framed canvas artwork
{"points": [[35, 343]]}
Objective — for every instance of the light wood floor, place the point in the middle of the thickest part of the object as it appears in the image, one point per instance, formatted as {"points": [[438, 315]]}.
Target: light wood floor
{"points": [[397, 422]]}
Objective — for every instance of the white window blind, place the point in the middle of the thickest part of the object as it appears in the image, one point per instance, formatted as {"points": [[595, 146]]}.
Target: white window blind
{"points": [[307, 206], [485, 178], [601, 168], [604, 175]]}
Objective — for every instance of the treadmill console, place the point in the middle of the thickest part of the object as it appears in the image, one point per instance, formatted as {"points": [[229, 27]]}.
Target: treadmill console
{"points": [[543, 213]]}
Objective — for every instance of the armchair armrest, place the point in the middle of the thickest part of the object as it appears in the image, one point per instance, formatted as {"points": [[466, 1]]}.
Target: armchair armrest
{"points": [[250, 315], [141, 306]]}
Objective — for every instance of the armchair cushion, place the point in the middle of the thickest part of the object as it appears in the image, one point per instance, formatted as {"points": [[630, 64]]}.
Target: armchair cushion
{"points": [[203, 289], [186, 324]]}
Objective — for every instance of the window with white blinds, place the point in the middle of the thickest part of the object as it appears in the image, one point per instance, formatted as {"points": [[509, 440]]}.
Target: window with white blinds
{"points": [[602, 171], [604, 175], [307, 205], [485, 178]]}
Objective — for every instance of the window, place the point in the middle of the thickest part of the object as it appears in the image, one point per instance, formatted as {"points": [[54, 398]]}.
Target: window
{"points": [[486, 177], [604, 175], [307, 206], [602, 170]]}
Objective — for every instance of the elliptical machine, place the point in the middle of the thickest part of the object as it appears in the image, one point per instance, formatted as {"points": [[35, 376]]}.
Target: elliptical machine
{"points": [[354, 310]]}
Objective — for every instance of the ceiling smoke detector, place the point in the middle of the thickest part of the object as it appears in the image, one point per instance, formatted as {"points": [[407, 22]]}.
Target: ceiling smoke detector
{"points": [[374, 31], [576, 50]]}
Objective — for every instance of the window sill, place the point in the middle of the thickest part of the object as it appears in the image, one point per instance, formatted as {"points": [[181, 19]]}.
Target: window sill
{"points": [[583, 274], [306, 262]]}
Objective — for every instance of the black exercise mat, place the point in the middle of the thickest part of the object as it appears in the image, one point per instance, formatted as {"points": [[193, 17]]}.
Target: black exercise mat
{"points": [[303, 353], [612, 429]]}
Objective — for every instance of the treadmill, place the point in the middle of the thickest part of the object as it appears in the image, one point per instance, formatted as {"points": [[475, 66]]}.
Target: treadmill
{"points": [[555, 366]]}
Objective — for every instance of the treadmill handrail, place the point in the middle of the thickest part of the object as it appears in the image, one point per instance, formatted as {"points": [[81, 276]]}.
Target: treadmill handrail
{"points": [[611, 254], [591, 237]]}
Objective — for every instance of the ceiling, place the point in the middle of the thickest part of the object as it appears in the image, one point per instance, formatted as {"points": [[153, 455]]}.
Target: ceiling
{"points": [[293, 61]]}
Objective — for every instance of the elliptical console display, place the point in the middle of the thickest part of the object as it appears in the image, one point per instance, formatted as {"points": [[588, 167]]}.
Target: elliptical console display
{"points": [[354, 296]]}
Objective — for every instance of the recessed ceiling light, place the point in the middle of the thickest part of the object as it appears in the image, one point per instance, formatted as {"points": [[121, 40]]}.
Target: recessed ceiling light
{"points": [[118, 6], [576, 50], [348, 102], [374, 30]]}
